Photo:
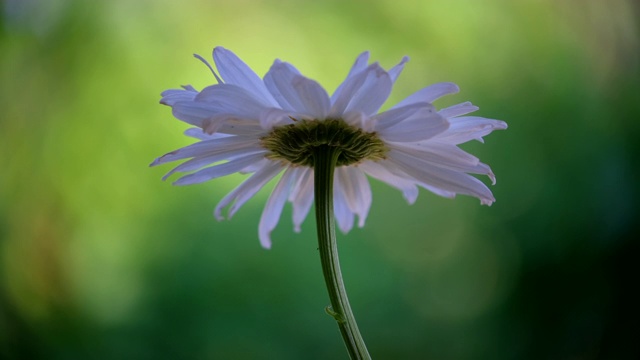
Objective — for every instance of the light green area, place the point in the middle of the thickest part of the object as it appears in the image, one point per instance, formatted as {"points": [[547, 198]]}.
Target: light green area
{"points": [[101, 259]]}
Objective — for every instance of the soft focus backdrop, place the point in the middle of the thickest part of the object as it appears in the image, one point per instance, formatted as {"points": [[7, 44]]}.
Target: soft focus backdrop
{"points": [[100, 259]]}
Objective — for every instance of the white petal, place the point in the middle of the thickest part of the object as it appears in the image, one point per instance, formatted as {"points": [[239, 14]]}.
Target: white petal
{"points": [[296, 92], [235, 72], [365, 92], [217, 171], [272, 117], [403, 182], [394, 116], [232, 99], [247, 189], [356, 190], [208, 147], [314, 99], [445, 179], [278, 81], [373, 93], [459, 109], [223, 154], [302, 197], [201, 135], [172, 96], [357, 119], [273, 208], [466, 128], [446, 156], [358, 66], [344, 216], [430, 93], [421, 125], [395, 71]]}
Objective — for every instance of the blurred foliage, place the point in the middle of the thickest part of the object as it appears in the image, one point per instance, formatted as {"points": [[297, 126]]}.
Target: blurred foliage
{"points": [[99, 259]]}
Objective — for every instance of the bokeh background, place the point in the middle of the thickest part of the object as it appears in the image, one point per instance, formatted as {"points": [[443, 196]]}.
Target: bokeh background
{"points": [[100, 259]]}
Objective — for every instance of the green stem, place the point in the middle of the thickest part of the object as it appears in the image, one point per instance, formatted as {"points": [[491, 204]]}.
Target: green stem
{"points": [[325, 158]]}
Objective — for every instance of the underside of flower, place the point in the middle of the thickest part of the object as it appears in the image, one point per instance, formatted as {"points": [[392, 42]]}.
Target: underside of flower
{"points": [[295, 143]]}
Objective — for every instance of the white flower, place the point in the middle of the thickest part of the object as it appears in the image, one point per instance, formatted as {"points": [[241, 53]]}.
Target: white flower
{"points": [[264, 126]]}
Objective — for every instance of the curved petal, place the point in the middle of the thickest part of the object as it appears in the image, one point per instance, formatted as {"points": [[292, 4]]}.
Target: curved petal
{"points": [[223, 154], [273, 208], [296, 92], [364, 92], [172, 96], [208, 147], [395, 71], [466, 128], [430, 93], [235, 72], [344, 216], [313, 98], [373, 93], [396, 115], [421, 125], [233, 99], [446, 156], [302, 198], [404, 183], [459, 109], [201, 135], [217, 171], [358, 66], [444, 179], [278, 81], [247, 189], [356, 191]]}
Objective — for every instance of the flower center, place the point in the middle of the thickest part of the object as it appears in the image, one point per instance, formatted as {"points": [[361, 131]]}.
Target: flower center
{"points": [[294, 143]]}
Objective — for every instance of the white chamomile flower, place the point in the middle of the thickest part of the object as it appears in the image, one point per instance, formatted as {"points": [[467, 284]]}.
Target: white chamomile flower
{"points": [[267, 126]]}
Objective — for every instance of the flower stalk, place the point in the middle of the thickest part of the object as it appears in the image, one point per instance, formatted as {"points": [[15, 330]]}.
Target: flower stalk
{"points": [[325, 159]]}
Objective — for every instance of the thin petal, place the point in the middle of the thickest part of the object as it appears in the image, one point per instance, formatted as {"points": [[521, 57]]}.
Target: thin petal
{"points": [[172, 96], [208, 147], [272, 117], [445, 179], [394, 116], [273, 208], [296, 92], [302, 198], [278, 81], [229, 98], [219, 170], [313, 98], [364, 92], [356, 190], [374, 91], [430, 93], [247, 189], [446, 156], [466, 128], [344, 216], [223, 154], [395, 71], [358, 66], [235, 72], [459, 109], [377, 170], [421, 125], [201, 135]]}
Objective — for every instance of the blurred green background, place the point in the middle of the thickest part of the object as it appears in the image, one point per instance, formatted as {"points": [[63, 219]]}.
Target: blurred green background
{"points": [[100, 259]]}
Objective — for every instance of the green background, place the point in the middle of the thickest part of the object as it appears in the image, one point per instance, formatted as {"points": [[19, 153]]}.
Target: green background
{"points": [[100, 259]]}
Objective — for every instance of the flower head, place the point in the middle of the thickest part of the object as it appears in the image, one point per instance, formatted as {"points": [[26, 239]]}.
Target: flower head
{"points": [[264, 126]]}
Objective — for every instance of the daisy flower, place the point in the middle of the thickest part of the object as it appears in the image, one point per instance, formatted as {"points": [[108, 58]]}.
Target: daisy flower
{"points": [[272, 125]]}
